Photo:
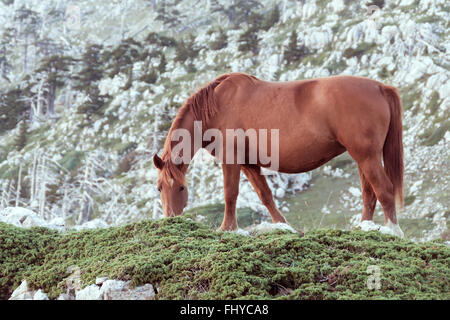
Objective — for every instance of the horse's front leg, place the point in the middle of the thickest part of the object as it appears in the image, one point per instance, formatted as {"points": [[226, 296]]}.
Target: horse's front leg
{"points": [[259, 183], [231, 174]]}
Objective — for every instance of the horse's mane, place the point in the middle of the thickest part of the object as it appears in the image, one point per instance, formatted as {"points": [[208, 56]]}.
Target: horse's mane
{"points": [[203, 105]]}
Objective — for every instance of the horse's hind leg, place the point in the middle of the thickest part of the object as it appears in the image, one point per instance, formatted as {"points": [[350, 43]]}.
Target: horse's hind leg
{"points": [[231, 174], [259, 183], [368, 196], [384, 190]]}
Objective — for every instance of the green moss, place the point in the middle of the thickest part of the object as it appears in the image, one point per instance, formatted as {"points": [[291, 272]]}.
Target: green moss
{"points": [[409, 200], [359, 51], [336, 66], [316, 59], [8, 172], [213, 215], [433, 105], [71, 160], [39, 136], [189, 260], [410, 96], [412, 8], [428, 19], [434, 135], [165, 126]]}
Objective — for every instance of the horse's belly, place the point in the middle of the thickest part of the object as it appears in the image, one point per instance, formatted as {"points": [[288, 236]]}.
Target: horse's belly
{"points": [[306, 156]]}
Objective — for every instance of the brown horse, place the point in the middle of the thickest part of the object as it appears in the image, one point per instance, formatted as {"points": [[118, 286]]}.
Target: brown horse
{"points": [[317, 120]]}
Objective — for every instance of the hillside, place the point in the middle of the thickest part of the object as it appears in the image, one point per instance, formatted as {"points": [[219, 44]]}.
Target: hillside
{"points": [[187, 260], [88, 92]]}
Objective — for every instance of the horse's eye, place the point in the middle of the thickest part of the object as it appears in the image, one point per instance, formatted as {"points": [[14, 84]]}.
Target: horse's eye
{"points": [[181, 188]]}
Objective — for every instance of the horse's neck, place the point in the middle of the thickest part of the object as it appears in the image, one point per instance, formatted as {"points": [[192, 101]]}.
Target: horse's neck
{"points": [[186, 123]]}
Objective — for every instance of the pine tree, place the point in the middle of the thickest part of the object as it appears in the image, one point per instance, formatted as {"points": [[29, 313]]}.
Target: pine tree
{"points": [[29, 22], [122, 56], [169, 17], [154, 38], [87, 78], [6, 51], [149, 77], [294, 52], [379, 3], [240, 11], [12, 107], [185, 50], [47, 47], [162, 64], [55, 70], [249, 41], [21, 138], [220, 42], [92, 68], [272, 18], [129, 80], [95, 102]]}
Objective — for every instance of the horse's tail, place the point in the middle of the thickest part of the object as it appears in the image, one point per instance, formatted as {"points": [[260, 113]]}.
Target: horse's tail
{"points": [[393, 145]]}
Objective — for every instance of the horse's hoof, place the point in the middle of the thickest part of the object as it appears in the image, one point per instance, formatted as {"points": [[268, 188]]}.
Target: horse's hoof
{"points": [[390, 228], [395, 228]]}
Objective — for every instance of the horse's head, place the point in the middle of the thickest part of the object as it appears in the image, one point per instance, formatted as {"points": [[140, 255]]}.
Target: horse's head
{"points": [[172, 190]]}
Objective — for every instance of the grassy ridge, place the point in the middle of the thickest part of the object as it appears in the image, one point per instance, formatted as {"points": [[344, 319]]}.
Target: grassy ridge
{"points": [[189, 260]]}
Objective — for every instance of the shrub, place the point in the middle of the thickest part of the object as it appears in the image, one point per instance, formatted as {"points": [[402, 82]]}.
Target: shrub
{"points": [[189, 260], [220, 42], [294, 53]]}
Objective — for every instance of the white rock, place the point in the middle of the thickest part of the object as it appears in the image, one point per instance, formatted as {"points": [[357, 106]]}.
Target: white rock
{"points": [[355, 191], [389, 32], [111, 289], [280, 193], [15, 215], [369, 225], [91, 292], [22, 292], [100, 280], [337, 5], [390, 228], [58, 221], [120, 290], [309, 10], [65, 296], [406, 2], [395, 229], [39, 295], [145, 292], [34, 221], [242, 232], [92, 224], [25, 218], [265, 227], [415, 188]]}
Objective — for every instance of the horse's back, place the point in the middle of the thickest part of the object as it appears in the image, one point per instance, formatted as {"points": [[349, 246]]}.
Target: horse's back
{"points": [[316, 118]]}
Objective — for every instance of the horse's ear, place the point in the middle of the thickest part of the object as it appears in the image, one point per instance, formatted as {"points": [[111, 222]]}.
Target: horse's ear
{"points": [[159, 163]]}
